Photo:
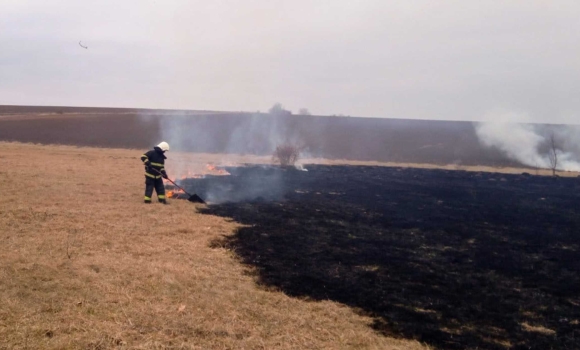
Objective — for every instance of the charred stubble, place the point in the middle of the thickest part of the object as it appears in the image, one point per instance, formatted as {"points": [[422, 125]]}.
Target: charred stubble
{"points": [[454, 259]]}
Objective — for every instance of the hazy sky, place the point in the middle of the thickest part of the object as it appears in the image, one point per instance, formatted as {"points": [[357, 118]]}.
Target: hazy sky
{"points": [[461, 60]]}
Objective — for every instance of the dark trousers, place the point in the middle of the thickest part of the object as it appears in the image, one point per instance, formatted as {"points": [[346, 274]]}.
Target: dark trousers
{"points": [[150, 184]]}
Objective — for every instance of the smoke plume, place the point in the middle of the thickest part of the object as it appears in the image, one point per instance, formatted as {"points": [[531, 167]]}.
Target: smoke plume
{"points": [[226, 134], [529, 144]]}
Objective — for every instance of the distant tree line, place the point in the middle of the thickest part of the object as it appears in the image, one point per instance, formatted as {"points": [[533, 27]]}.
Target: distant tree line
{"points": [[279, 110]]}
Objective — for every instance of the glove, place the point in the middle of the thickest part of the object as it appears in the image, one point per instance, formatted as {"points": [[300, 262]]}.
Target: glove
{"points": [[164, 174], [148, 163]]}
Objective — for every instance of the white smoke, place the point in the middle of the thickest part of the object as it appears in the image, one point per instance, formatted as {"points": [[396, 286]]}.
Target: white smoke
{"points": [[300, 166], [257, 134], [226, 136], [529, 144], [518, 142]]}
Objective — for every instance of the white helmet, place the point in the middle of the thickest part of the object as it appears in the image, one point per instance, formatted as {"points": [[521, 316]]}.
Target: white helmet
{"points": [[164, 146]]}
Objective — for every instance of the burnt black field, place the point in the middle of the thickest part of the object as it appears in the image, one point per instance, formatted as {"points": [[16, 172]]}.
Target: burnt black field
{"points": [[453, 259]]}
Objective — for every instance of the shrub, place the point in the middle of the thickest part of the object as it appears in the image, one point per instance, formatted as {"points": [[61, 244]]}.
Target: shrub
{"points": [[286, 154], [278, 109]]}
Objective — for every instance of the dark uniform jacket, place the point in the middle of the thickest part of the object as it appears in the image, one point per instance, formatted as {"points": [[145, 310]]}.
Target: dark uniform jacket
{"points": [[154, 159]]}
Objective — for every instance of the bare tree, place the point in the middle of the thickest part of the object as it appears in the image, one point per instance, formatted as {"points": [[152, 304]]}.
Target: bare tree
{"points": [[304, 111], [553, 155]]}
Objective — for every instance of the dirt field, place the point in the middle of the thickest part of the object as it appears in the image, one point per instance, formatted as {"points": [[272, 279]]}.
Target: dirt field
{"points": [[355, 139], [455, 259], [85, 265]]}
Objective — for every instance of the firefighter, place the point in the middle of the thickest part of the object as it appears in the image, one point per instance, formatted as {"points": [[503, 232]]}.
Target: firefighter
{"points": [[154, 161]]}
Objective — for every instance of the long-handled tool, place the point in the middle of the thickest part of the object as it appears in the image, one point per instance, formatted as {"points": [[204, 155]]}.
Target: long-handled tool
{"points": [[192, 197]]}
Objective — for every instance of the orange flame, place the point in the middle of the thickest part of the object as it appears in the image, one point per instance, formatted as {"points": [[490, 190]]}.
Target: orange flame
{"points": [[174, 193], [212, 168]]}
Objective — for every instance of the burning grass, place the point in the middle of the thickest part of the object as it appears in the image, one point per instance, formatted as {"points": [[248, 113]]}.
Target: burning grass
{"points": [[85, 265]]}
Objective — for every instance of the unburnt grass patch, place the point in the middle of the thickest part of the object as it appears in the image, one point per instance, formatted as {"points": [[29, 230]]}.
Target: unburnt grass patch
{"points": [[85, 264]]}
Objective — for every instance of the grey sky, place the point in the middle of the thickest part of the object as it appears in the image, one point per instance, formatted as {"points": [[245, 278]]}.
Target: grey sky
{"points": [[461, 60]]}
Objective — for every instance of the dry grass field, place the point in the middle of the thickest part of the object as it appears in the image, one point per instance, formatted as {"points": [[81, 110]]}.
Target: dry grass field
{"points": [[85, 265]]}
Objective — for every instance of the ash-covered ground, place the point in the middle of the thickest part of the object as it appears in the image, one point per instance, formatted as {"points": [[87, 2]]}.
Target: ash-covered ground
{"points": [[454, 259], [248, 183]]}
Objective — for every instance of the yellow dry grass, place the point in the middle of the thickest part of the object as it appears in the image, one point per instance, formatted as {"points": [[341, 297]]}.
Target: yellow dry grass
{"points": [[539, 329], [85, 265], [459, 167]]}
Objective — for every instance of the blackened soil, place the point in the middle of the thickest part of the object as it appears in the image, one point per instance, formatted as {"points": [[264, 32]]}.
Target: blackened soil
{"points": [[453, 259]]}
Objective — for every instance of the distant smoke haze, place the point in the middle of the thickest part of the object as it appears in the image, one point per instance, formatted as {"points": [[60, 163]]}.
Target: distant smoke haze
{"points": [[257, 134], [369, 139], [249, 133]]}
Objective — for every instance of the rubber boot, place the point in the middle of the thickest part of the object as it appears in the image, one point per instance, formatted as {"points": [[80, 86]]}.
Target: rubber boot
{"points": [[163, 201]]}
